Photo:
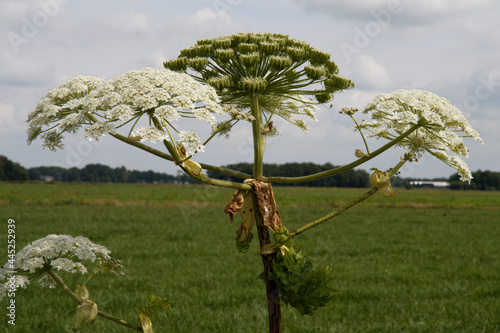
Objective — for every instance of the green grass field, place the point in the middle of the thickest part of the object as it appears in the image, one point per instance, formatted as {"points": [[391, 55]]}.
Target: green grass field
{"points": [[423, 261]]}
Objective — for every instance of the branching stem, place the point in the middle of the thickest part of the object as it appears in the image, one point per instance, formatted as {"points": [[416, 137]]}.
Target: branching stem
{"points": [[79, 301], [346, 206], [344, 168]]}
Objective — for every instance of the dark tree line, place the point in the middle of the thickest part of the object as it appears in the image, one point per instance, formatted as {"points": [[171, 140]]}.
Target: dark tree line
{"points": [[482, 180], [351, 178], [91, 173], [12, 171], [98, 173]]}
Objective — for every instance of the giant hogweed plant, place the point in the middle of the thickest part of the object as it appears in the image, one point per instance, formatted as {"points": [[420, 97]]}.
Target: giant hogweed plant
{"points": [[248, 78]]}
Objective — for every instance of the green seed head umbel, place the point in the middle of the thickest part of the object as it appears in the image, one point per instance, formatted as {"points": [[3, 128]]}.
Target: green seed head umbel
{"points": [[272, 65]]}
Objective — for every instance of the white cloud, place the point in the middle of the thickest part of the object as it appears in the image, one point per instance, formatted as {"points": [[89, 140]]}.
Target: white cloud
{"points": [[130, 23], [23, 70], [12, 10], [401, 12], [369, 74], [9, 119], [205, 22]]}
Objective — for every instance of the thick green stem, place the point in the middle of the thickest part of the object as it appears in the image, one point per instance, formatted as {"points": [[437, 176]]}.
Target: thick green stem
{"points": [[259, 140], [79, 301], [272, 291], [345, 207], [344, 168]]}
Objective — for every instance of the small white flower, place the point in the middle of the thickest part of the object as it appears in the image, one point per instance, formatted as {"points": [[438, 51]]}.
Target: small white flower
{"points": [[204, 114], [150, 133], [167, 112], [64, 264], [120, 112], [183, 101], [33, 264], [191, 142], [95, 131]]}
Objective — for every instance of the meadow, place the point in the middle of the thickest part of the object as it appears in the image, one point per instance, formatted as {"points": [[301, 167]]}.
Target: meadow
{"points": [[422, 261]]}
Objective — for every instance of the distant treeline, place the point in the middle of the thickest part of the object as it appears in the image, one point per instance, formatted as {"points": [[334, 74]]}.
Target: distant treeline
{"points": [[483, 180], [98, 173], [351, 178], [91, 173]]}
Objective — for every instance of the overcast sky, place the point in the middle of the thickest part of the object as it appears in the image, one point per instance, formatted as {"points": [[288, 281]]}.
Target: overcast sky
{"points": [[449, 47]]}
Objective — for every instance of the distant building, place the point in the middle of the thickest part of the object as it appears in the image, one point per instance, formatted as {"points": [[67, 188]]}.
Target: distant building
{"points": [[429, 183], [48, 178]]}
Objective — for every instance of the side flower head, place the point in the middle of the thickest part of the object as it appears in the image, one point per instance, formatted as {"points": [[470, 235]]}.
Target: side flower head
{"points": [[290, 76], [54, 252], [441, 126], [138, 98]]}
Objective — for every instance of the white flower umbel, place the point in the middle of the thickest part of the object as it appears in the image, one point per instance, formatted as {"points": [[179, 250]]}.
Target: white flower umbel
{"points": [[104, 107], [150, 133], [442, 126], [56, 252], [191, 141]]}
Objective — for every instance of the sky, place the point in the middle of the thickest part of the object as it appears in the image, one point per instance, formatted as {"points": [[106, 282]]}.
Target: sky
{"points": [[449, 47]]}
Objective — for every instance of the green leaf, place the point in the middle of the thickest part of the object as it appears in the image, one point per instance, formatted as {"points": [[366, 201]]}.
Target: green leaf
{"points": [[303, 283], [153, 305]]}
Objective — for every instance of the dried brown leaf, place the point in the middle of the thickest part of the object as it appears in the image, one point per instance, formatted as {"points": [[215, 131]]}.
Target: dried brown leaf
{"points": [[236, 203], [267, 204]]}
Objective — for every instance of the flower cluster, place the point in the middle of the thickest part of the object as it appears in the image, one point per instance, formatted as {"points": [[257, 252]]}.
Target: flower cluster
{"points": [[104, 106], [441, 126], [55, 252], [281, 70]]}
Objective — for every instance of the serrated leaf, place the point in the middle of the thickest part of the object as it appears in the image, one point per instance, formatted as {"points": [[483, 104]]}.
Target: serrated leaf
{"points": [[303, 283]]}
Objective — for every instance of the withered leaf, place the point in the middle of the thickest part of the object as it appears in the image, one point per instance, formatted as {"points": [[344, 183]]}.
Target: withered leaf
{"points": [[234, 206], [267, 204]]}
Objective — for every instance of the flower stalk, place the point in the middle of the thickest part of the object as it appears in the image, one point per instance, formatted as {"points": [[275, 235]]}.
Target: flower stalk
{"points": [[344, 168], [351, 204], [79, 301]]}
